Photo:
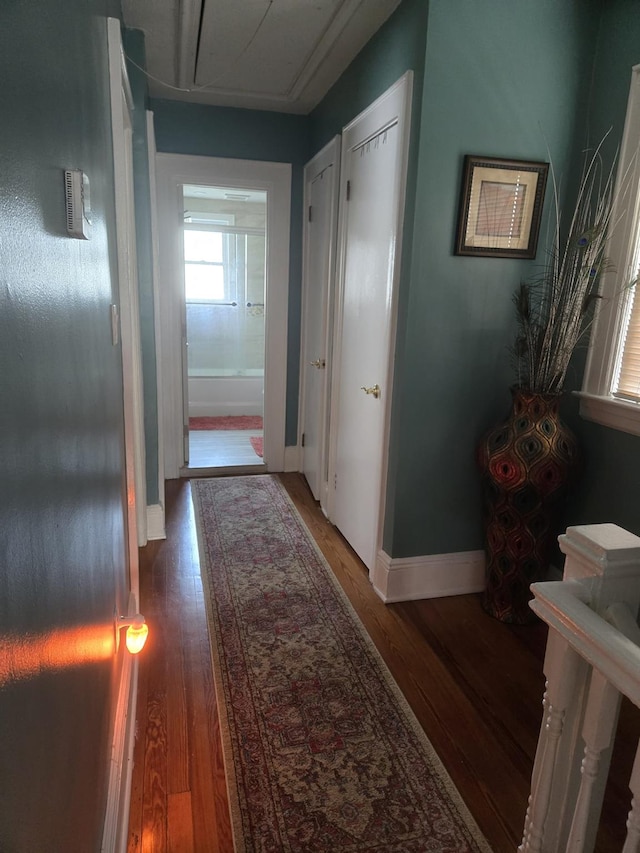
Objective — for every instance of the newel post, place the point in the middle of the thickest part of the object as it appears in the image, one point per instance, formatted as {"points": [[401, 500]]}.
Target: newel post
{"points": [[603, 568]]}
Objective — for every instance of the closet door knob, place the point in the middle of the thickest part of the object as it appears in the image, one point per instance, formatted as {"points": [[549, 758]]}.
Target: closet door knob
{"points": [[375, 390]]}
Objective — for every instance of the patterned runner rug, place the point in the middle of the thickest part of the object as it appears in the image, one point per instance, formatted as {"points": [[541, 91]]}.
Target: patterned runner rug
{"points": [[322, 752]]}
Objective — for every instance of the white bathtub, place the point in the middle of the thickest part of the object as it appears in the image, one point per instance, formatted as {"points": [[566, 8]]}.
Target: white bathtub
{"points": [[225, 395]]}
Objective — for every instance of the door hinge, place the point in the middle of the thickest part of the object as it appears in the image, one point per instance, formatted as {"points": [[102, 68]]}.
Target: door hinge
{"points": [[115, 325], [309, 213], [335, 481], [302, 441], [348, 190]]}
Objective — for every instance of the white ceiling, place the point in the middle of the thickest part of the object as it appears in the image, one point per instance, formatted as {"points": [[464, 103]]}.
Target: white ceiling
{"points": [[258, 54]]}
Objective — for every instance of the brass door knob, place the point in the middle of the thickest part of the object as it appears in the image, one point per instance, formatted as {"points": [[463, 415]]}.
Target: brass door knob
{"points": [[375, 390]]}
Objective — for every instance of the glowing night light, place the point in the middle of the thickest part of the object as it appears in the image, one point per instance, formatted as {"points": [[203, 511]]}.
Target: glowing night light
{"points": [[137, 632]]}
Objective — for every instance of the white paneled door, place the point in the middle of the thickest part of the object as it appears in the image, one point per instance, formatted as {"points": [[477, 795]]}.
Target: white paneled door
{"points": [[373, 176], [320, 232]]}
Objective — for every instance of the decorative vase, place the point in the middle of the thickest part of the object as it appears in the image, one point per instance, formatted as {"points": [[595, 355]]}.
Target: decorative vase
{"points": [[527, 465]]}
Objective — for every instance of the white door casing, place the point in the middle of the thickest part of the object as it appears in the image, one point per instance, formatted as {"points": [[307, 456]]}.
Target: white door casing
{"points": [[126, 333], [151, 154], [373, 177], [173, 171], [133, 400], [321, 185]]}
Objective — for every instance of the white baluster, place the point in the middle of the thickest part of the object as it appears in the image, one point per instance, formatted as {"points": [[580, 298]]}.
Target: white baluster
{"points": [[601, 717], [602, 567], [561, 667], [632, 842], [535, 777]]}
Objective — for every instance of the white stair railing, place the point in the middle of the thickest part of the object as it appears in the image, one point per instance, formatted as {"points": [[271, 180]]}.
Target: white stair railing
{"points": [[592, 660]]}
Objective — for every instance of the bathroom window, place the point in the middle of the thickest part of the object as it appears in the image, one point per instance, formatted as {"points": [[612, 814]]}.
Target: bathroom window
{"points": [[205, 276], [224, 270], [210, 258]]}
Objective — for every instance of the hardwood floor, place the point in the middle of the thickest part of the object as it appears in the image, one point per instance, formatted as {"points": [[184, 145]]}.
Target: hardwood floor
{"points": [[222, 448], [474, 684]]}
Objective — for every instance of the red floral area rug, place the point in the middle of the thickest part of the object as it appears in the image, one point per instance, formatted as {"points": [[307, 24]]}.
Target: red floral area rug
{"points": [[226, 422], [322, 752]]}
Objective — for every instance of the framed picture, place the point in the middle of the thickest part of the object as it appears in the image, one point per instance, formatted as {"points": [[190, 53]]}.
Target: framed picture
{"points": [[500, 207]]}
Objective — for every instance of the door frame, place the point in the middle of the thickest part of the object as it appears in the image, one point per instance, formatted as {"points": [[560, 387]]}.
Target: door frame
{"points": [[125, 326], [157, 530], [128, 306], [395, 103], [172, 171], [327, 157]]}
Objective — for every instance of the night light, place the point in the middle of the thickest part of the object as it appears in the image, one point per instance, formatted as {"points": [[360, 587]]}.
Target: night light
{"points": [[137, 632]]}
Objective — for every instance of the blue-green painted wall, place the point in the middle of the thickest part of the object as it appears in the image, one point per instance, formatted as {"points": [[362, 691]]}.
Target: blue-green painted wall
{"points": [[503, 79], [133, 41], [514, 79], [398, 46], [610, 484], [62, 537], [198, 130]]}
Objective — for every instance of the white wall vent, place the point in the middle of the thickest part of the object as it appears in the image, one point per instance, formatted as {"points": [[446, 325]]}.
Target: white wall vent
{"points": [[78, 207]]}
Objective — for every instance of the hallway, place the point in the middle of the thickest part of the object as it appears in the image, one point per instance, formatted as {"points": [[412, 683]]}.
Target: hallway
{"points": [[475, 685]]}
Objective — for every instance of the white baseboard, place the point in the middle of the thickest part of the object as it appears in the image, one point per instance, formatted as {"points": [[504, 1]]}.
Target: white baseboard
{"points": [[155, 522], [431, 576], [292, 458], [116, 822]]}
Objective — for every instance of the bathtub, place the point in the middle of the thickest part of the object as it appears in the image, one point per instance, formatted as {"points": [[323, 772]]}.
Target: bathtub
{"points": [[232, 394]]}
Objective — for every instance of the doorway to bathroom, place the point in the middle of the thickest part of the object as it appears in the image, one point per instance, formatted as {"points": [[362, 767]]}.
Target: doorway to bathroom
{"points": [[224, 275], [228, 241]]}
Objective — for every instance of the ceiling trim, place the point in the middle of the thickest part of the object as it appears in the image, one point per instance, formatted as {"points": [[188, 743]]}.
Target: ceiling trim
{"points": [[172, 42]]}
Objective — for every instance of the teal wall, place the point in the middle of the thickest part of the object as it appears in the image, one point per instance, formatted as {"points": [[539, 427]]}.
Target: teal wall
{"points": [[62, 538], [399, 45], [502, 79], [133, 41], [183, 128], [514, 79], [610, 483]]}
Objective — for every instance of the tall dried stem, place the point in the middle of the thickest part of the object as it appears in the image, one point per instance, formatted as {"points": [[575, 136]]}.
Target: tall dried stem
{"points": [[553, 310]]}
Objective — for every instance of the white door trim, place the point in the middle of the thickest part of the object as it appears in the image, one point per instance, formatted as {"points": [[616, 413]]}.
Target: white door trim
{"points": [[174, 170], [327, 157], [155, 513], [121, 107], [396, 104], [114, 837]]}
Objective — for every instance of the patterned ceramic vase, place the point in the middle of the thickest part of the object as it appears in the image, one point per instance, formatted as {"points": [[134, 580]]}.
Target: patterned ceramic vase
{"points": [[527, 464]]}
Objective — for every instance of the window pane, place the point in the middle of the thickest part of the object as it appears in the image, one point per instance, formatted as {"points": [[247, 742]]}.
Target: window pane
{"points": [[203, 246], [203, 281], [626, 382]]}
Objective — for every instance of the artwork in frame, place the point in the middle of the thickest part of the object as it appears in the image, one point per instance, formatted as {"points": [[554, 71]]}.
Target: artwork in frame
{"points": [[500, 207]]}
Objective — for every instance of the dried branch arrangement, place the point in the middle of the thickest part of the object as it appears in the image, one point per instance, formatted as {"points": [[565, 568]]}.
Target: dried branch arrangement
{"points": [[554, 310]]}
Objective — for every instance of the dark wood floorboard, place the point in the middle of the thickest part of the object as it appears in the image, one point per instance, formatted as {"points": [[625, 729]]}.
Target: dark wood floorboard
{"points": [[475, 685]]}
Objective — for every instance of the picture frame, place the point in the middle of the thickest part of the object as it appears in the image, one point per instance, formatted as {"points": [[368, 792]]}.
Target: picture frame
{"points": [[500, 207]]}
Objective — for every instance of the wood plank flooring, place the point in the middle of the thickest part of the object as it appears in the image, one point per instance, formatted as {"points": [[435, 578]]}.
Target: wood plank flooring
{"points": [[222, 448], [474, 684]]}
